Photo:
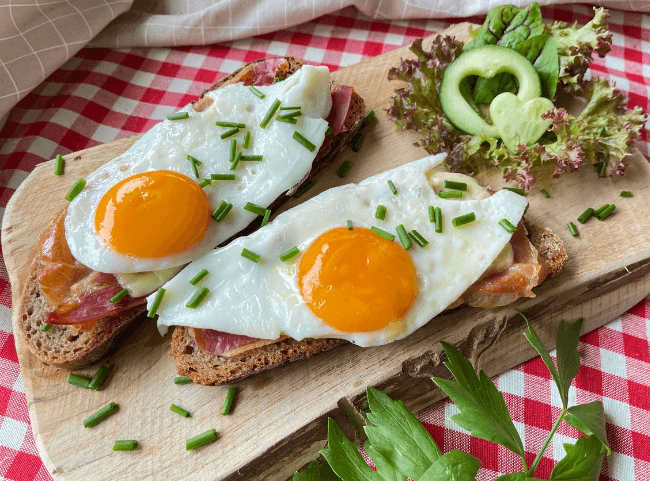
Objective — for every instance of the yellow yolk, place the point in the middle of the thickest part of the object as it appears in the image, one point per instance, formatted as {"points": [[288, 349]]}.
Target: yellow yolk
{"points": [[357, 281], [153, 214]]}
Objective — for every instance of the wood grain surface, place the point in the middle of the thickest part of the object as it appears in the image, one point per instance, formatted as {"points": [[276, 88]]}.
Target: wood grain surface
{"points": [[279, 418]]}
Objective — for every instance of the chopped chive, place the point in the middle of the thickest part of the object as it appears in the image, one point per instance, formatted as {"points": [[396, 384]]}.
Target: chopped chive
{"points": [[515, 190], [291, 115], [463, 219], [227, 405], [222, 176], [251, 158], [417, 237], [199, 276], [224, 213], [236, 125], [119, 296], [247, 140], [269, 115], [572, 229], [297, 136], [450, 184], [193, 161], [100, 415], [604, 214], [182, 380], [350, 225], [584, 217], [601, 132], [344, 169], [250, 255], [626, 193], [99, 377], [178, 116], [197, 297], [255, 209], [235, 162], [432, 214], [229, 133], [295, 107], [126, 445], [329, 131], [382, 233], [309, 185], [233, 149], [403, 237], [438, 219], [76, 188], [603, 167], [507, 225], [46, 327], [357, 142], [79, 381], [286, 120], [201, 440], [156, 302], [545, 194], [392, 187], [58, 165], [369, 117], [276, 80], [450, 194], [380, 213], [289, 254], [265, 220], [217, 212], [205, 182], [256, 92], [180, 411], [601, 210], [598, 165]]}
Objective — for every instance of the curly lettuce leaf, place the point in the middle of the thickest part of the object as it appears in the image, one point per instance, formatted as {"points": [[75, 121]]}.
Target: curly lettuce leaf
{"points": [[575, 46], [417, 106]]}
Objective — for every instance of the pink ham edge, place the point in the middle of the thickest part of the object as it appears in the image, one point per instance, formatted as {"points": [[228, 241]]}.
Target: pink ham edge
{"points": [[218, 342]]}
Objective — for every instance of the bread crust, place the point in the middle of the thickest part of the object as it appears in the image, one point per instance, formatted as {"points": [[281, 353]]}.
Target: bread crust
{"points": [[66, 347], [209, 369]]}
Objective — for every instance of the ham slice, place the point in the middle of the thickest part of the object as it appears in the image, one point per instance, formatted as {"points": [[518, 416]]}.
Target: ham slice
{"points": [[228, 345], [340, 105], [264, 72]]}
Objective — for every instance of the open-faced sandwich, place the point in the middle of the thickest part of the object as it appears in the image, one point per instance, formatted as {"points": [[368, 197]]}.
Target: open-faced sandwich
{"points": [[367, 263], [191, 183]]}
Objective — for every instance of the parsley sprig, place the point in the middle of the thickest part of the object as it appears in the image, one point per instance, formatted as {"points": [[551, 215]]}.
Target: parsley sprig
{"points": [[401, 448]]}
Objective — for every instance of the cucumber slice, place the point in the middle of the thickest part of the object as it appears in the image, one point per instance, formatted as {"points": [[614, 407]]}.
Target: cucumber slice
{"points": [[486, 61]]}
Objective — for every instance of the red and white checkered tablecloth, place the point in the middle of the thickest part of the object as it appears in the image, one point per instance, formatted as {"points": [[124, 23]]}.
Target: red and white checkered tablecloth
{"points": [[102, 95]]}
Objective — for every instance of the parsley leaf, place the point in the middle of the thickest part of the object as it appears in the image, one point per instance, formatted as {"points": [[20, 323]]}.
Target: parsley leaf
{"points": [[568, 361], [582, 462], [453, 466], [483, 410], [591, 416], [344, 457], [387, 470], [312, 473], [398, 436]]}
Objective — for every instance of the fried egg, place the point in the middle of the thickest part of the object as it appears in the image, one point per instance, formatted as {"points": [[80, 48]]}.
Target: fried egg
{"points": [[145, 211], [349, 284]]}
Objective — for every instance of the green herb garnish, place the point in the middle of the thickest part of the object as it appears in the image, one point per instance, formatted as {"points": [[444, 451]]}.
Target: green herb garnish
{"points": [[197, 297], [233, 125], [99, 377], [463, 219], [382, 233], [309, 185], [180, 411], [182, 380], [380, 213], [450, 194], [178, 116], [271, 112], [156, 302], [202, 273], [119, 296], [584, 217], [229, 133], [76, 189], [250, 255], [58, 165], [227, 405], [289, 254], [392, 187], [450, 184], [298, 137], [201, 440], [572, 229], [256, 92], [344, 169], [100, 415], [403, 237], [507, 225], [125, 445]]}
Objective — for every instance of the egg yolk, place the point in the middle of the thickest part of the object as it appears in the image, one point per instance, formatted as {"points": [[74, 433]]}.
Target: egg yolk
{"points": [[357, 281], [153, 214]]}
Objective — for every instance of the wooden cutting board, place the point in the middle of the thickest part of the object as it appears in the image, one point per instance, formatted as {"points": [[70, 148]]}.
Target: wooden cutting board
{"points": [[278, 422]]}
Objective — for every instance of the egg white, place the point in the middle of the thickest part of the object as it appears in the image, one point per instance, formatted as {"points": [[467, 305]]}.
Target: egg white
{"points": [[166, 146], [263, 300]]}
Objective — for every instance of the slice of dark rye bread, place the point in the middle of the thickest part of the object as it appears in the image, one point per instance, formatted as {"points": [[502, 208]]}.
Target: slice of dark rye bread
{"points": [[67, 347], [209, 369]]}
